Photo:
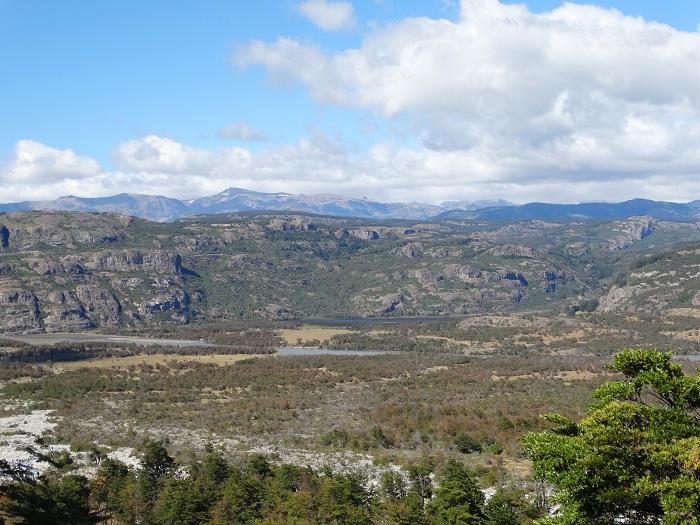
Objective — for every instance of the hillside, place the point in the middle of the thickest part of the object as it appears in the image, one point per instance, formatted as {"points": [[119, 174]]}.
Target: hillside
{"points": [[234, 200], [583, 211], [77, 271], [667, 283]]}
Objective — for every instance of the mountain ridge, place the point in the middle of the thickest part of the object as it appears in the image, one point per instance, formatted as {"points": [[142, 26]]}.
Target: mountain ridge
{"points": [[165, 209], [74, 271]]}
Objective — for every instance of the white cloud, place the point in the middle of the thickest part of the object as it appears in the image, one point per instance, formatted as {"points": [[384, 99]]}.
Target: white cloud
{"points": [[578, 92], [577, 104], [158, 154], [387, 172], [242, 131], [35, 163], [329, 16]]}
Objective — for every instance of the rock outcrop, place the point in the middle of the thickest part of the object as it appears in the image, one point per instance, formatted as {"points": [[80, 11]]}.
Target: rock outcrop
{"points": [[19, 308], [72, 271], [159, 261], [99, 303]]}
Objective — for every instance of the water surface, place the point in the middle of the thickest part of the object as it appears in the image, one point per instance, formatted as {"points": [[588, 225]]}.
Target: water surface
{"points": [[325, 351], [375, 320], [50, 339]]}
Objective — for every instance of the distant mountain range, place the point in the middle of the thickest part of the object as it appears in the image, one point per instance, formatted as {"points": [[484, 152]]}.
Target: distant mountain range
{"points": [[583, 211], [164, 209]]}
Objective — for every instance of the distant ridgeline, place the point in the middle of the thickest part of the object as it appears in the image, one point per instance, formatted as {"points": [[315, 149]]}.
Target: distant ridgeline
{"points": [[165, 209], [74, 271]]}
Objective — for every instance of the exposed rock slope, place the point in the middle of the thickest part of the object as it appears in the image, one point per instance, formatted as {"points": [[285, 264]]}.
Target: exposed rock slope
{"points": [[77, 271]]}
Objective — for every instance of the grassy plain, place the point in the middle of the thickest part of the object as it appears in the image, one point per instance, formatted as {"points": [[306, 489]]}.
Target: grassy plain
{"points": [[152, 360], [485, 380], [307, 333]]}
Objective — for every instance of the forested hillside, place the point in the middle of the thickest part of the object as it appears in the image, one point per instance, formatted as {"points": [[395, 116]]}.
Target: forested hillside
{"points": [[75, 271]]}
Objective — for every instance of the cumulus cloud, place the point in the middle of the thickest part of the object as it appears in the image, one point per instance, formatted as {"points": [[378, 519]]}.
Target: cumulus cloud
{"points": [[576, 104], [35, 163], [329, 16], [580, 91], [386, 171], [242, 131], [392, 172], [162, 155]]}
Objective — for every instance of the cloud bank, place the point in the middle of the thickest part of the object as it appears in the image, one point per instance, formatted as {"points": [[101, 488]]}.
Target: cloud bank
{"points": [[329, 16], [577, 104]]}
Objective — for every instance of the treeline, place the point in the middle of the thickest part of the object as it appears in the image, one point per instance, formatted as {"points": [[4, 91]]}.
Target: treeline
{"points": [[597, 333], [65, 352], [388, 342], [258, 333], [209, 490]]}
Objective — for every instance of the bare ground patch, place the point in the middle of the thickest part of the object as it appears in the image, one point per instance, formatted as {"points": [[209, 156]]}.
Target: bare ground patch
{"points": [[690, 335]]}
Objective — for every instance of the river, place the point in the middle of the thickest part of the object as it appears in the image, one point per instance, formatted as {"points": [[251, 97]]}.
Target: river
{"points": [[50, 339]]}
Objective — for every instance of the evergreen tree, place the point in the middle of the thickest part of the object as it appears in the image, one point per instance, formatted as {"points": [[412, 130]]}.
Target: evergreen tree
{"points": [[457, 499]]}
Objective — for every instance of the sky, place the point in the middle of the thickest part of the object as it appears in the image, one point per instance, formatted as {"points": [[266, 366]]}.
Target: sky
{"points": [[393, 100]]}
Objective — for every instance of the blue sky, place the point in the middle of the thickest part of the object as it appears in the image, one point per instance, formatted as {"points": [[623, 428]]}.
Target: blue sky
{"points": [[393, 100]]}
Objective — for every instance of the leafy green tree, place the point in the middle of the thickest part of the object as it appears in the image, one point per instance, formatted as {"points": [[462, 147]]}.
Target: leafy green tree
{"points": [[393, 486], [344, 500], [47, 499], [156, 461], [467, 444], [107, 488], [156, 467], [635, 457], [241, 499], [511, 506], [214, 468], [181, 502], [420, 475], [457, 499]]}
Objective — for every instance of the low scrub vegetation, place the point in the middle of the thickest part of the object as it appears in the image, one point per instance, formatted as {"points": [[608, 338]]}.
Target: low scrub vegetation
{"points": [[631, 459]]}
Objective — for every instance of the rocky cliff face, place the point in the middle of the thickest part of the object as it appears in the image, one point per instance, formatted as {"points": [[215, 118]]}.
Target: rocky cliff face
{"points": [[667, 283], [61, 275], [630, 231], [157, 261], [23, 229], [19, 308], [74, 271]]}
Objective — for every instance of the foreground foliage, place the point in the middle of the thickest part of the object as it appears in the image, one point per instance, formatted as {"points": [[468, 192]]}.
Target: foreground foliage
{"points": [[212, 491], [635, 458]]}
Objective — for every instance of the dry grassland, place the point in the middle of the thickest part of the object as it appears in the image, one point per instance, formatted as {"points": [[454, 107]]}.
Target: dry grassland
{"points": [[126, 362], [684, 312], [690, 335], [564, 375], [310, 333]]}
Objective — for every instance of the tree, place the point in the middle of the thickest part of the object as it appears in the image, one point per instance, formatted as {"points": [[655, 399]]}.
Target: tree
{"points": [[635, 457], [181, 502], [241, 499], [457, 499], [421, 483], [156, 467], [511, 506], [467, 444], [52, 498], [107, 488], [156, 461], [343, 499]]}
